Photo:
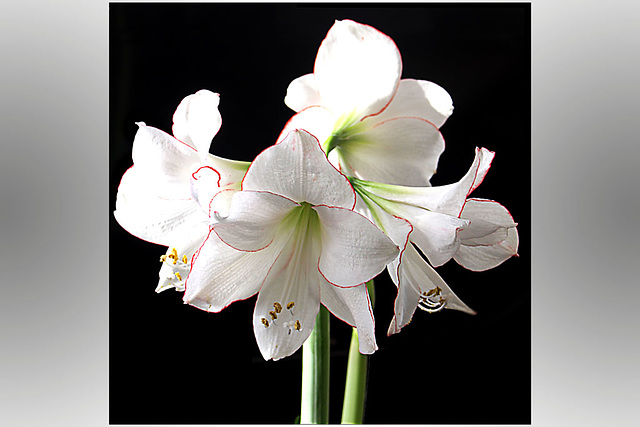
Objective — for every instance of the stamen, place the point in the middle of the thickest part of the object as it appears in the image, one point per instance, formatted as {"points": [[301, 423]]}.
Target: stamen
{"points": [[178, 275], [278, 307], [163, 258], [297, 325], [265, 322], [185, 259], [290, 307], [273, 315]]}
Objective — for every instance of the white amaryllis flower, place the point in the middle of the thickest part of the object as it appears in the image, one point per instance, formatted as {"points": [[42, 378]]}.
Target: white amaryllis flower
{"points": [[155, 200], [479, 234], [374, 125], [292, 236]]}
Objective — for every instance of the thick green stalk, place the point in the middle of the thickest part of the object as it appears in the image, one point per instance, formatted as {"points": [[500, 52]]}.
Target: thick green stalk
{"points": [[355, 389], [315, 373]]}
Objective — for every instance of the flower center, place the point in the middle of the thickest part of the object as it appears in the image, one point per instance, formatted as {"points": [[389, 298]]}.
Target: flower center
{"points": [[346, 129], [174, 270], [432, 301]]}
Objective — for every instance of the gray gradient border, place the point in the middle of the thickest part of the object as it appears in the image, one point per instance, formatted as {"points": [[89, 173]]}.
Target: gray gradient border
{"points": [[54, 213]]}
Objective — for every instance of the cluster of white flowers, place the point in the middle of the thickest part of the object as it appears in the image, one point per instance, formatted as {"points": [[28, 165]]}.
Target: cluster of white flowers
{"points": [[343, 194]]}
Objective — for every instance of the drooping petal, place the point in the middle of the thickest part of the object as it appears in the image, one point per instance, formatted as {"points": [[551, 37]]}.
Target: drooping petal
{"points": [[401, 151], [481, 258], [156, 219], [447, 199], [318, 121], [491, 238], [357, 69], [353, 306], [353, 249], [417, 281], [289, 299], [302, 93], [298, 169], [221, 275], [197, 120], [254, 220], [419, 98]]}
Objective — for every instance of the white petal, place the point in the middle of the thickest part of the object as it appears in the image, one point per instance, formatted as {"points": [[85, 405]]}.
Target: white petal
{"points": [[293, 278], [353, 249], [298, 169], [357, 69], [480, 258], [447, 199], [435, 234], [197, 120], [489, 222], [302, 93], [163, 162], [318, 121], [221, 275], [155, 219], [419, 98], [416, 276], [402, 151], [254, 220], [353, 306]]}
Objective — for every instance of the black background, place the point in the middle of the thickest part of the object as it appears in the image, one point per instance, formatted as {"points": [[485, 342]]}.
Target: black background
{"points": [[171, 363]]}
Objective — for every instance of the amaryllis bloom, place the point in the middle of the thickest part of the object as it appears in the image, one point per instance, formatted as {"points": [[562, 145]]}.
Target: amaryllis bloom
{"points": [[292, 236], [479, 234], [156, 201], [374, 125]]}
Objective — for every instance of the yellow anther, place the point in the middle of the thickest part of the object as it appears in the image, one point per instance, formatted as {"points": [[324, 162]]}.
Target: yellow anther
{"points": [[265, 322], [273, 315], [278, 307], [297, 325], [178, 275], [185, 259], [163, 258], [290, 305]]}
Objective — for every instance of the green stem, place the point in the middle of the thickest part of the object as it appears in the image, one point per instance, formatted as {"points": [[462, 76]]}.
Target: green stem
{"points": [[355, 389], [315, 373]]}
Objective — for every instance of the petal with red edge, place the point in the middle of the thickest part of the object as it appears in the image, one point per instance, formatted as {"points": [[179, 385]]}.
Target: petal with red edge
{"points": [[289, 299], [435, 234], [353, 306], [221, 275], [298, 169], [353, 249], [481, 258], [357, 69], [448, 199]]}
